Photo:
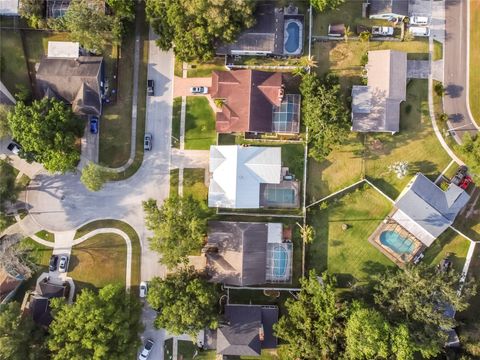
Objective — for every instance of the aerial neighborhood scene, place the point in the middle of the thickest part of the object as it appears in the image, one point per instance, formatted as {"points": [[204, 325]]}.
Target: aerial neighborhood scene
{"points": [[239, 179]]}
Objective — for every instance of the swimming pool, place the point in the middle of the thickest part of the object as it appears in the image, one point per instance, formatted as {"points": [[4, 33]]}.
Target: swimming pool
{"points": [[293, 36], [396, 242], [280, 196], [280, 261]]}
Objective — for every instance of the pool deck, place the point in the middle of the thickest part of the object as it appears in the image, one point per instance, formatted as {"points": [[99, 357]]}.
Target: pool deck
{"points": [[389, 224]]}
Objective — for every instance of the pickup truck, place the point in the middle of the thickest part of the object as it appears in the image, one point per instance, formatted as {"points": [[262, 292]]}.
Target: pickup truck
{"points": [[382, 30]]}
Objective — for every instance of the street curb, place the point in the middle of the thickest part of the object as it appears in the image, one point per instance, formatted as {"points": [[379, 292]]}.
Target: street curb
{"points": [[468, 68]]}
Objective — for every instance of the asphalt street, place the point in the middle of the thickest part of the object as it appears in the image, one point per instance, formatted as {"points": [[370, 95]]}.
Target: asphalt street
{"points": [[456, 71]]}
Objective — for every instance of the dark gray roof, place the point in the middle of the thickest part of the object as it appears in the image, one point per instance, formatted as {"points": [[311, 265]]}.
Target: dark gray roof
{"points": [[242, 251], [40, 310], [50, 290], [265, 36], [398, 7], [6, 97], [431, 207], [76, 81], [241, 333]]}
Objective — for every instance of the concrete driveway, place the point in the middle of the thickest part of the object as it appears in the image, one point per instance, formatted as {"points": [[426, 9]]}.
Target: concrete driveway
{"points": [[183, 85], [89, 147]]}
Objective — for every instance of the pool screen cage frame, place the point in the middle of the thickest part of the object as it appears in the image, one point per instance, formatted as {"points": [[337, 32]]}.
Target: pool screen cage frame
{"points": [[292, 118], [270, 266], [57, 8], [408, 235]]}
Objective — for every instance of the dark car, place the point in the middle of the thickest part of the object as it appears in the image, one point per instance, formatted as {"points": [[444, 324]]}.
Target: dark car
{"points": [[150, 88], [53, 263], [94, 125], [459, 175], [14, 147]]}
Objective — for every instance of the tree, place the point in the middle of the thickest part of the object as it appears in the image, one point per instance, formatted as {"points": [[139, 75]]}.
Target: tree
{"points": [[470, 149], [20, 339], [93, 177], [324, 113], [124, 9], [439, 89], [418, 297], [194, 28], [324, 5], [312, 327], [186, 303], [4, 128], [32, 12], [365, 36], [307, 232], [179, 228], [347, 34], [103, 326], [47, 131]]}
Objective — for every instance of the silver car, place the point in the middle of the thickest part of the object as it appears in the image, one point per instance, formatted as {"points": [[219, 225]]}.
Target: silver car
{"points": [[63, 264], [147, 142], [147, 349]]}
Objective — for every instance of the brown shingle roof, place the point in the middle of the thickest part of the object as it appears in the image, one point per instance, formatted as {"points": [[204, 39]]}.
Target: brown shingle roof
{"points": [[249, 99]]}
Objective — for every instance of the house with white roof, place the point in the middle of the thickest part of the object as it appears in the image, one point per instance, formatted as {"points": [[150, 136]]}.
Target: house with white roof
{"points": [[237, 173]]}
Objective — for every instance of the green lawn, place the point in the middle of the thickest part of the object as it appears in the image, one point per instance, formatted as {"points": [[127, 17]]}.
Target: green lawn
{"points": [[176, 112], [206, 355], [178, 70], [186, 349], [437, 50], [205, 69], [475, 59], [14, 70], [174, 182], [132, 234], [194, 184], [199, 124], [347, 253], [99, 261], [258, 297], [46, 235], [267, 354], [38, 255], [168, 349], [449, 243], [469, 221]]}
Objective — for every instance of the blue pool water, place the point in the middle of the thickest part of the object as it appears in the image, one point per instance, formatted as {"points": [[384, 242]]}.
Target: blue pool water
{"points": [[396, 242], [280, 261], [293, 41]]}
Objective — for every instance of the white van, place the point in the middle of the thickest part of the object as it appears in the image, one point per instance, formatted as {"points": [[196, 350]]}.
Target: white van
{"points": [[419, 31], [419, 20]]}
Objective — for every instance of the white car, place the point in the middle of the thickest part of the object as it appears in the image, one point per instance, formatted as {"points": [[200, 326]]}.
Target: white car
{"points": [[143, 289], [199, 90], [419, 20], [63, 264], [419, 31], [147, 348], [382, 30]]}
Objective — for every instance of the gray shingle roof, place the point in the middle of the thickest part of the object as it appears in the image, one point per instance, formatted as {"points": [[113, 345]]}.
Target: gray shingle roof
{"points": [[398, 7], [431, 207], [240, 335]]}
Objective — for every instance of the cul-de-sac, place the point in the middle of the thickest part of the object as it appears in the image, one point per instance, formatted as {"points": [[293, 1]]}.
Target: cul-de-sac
{"points": [[239, 179]]}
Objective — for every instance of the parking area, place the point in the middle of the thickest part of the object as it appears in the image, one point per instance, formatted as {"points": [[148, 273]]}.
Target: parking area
{"points": [[181, 86], [89, 146]]}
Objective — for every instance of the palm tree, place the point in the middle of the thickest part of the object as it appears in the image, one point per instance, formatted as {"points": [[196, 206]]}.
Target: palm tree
{"points": [[347, 34]]}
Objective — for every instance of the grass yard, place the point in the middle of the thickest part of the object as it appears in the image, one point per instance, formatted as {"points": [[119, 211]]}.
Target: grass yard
{"points": [[99, 261], [13, 70], [349, 13], [132, 234], [194, 184], [199, 124], [475, 59], [469, 221], [416, 143], [205, 69], [186, 349], [437, 50], [176, 112], [46, 235], [206, 355], [448, 243], [178, 69], [267, 354], [174, 182], [168, 349], [258, 297], [38, 255], [348, 254]]}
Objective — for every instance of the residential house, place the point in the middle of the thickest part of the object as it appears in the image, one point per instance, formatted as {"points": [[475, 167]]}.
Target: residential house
{"points": [[10, 280], [425, 210], [246, 330], [277, 31], [9, 7], [75, 79], [244, 253], [387, 9], [254, 101], [6, 97], [376, 106]]}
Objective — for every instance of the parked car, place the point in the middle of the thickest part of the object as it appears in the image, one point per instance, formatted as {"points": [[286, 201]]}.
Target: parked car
{"points": [[419, 20], [94, 125], [382, 30], [199, 90], [445, 264], [147, 142], [459, 175], [150, 87], [143, 289], [53, 263], [421, 31], [467, 180], [147, 349], [62, 266], [14, 147]]}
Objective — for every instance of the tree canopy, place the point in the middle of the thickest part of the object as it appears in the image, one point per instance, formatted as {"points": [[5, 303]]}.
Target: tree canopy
{"points": [[179, 228], [194, 28], [32, 12], [186, 302], [20, 339], [96, 326], [47, 130], [312, 328], [93, 177], [324, 5], [4, 128], [470, 149], [324, 113]]}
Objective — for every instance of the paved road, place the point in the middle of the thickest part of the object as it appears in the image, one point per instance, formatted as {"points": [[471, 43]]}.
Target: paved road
{"points": [[455, 104]]}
